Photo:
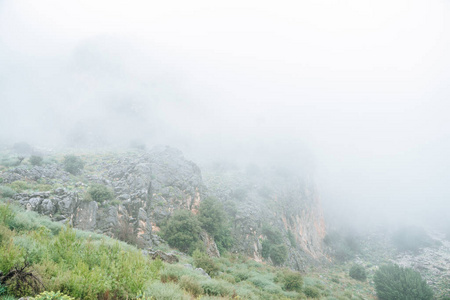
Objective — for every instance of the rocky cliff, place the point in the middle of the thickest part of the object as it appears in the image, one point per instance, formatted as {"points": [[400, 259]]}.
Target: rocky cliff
{"points": [[149, 186]]}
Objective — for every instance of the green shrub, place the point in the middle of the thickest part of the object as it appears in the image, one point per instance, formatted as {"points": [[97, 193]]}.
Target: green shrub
{"points": [[190, 285], [182, 231], [358, 272], [3, 290], [7, 215], [52, 296], [394, 282], [168, 291], [36, 160], [292, 281], [273, 246], [6, 191], [99, 193], [217, 288], [311, 292], [291, 238], [73, 164], [202, 260], [20, 186]]}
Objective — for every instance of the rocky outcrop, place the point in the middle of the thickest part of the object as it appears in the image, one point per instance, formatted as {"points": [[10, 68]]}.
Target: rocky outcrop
{"points": [[149, 186], [267, 197]]}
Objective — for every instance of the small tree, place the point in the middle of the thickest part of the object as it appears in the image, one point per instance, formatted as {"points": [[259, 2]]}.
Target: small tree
{"points": [[358, 272], [394, 282], [211, 215], [292, 281], [182, 231], [73, 164]]}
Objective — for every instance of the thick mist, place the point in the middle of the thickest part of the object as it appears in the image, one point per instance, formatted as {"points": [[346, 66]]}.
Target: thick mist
{"points": [[353, 92]]}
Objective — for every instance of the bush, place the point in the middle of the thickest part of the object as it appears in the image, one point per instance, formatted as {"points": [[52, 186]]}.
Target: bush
{"points": [[411, 239], [73, 164], [311, 292], [36, 160], [217, 288], [292, 281], [99, 193], [6, 191], [190, 285], [168, 291], [52, 296], [202, 260], [394, 282], [182, 231], [273, 246], [358, 272]]}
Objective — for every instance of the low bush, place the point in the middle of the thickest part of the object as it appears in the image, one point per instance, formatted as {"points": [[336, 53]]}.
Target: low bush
{"points": [[394, 282], [168, 291], [217, 288], [190, 285], [99, 193], [358, 272], [292, 281], [6, 191], [73, 164], [202, 260], [311, 292]]}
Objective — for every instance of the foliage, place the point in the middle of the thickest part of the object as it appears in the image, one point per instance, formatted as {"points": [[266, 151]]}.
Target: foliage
{"points": [[217, 288], [273, 246], [394, 282], [211, 215], [52, 296], [311, 292], [36, 160], [182, 231], [202, 260], [411, 239], [73, 164], [99, 193], [291, 238], [358, 272], [6, 191], [190, 285], [168, 291], [292, 281]]}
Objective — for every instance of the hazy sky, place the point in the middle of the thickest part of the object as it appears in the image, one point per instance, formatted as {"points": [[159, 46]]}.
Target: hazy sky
{"points": [[360, 88]]}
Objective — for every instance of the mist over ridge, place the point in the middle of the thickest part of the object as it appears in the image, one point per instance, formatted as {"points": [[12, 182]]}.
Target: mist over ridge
{"points": [[354, 93]]}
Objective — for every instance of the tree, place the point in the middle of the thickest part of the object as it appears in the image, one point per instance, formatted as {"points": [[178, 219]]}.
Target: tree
{"points": [[182, 231], [394, 282], [211, 215]]}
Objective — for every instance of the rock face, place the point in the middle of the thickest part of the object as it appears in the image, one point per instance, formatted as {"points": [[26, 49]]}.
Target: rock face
{"points": [[149, 186]]}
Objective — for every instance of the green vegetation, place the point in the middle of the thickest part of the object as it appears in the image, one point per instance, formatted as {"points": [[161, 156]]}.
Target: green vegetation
{"points": [[73, 164], [273, 246], [182, 231], [292, 281], [52, 296], [99, 193], [202, 260], [394, 282], [36, 160], [57, 258], [358, 272]]}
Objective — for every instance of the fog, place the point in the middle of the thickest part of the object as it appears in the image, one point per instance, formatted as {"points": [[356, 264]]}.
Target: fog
{"points": [[354, 93]]}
